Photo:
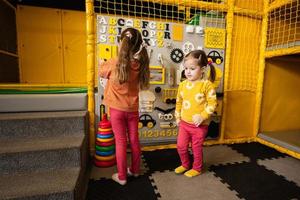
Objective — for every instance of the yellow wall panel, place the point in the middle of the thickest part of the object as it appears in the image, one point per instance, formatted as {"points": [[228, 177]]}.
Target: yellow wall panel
{"points": [[105, 52], [40, 45], [281, 99], [239, 114], [74, 40], [177, 32]]}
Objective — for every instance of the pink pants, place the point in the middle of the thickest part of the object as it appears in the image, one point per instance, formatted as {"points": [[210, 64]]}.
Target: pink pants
{"points": [[122, 123], [196, 135]]}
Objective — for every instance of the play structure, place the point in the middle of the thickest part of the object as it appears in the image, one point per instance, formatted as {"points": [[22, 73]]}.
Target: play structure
{"points": [[255, 46], [167, 43]]}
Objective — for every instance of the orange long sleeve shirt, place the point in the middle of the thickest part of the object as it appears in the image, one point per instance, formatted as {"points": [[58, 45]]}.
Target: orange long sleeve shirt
{"points": [[124, 97]]}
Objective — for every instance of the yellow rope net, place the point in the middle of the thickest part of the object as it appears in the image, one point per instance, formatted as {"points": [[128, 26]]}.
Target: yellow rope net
{"points": [[246, 29], [246, 36], [283, 24], [167, 10], [208, 14]]}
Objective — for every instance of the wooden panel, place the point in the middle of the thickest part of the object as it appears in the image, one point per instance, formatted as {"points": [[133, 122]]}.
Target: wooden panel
{"points": [[74, 40], [239, 114], [40, 43], [281, 99]]}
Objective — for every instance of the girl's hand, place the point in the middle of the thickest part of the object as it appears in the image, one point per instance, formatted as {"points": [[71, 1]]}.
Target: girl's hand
{"points": [[100, 62], [177, 121], [197, 119]]}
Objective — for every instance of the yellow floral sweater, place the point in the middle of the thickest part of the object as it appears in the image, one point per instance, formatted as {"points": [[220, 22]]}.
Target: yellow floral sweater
{"points": [[195, 98]]}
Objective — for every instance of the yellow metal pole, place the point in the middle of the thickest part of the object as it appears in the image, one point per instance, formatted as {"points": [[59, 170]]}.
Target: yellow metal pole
{"points": [[229, 27], [261, 69], [90, 46]]}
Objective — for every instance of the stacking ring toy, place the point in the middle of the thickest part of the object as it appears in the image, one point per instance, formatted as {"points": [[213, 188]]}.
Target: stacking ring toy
{"points": [[105, 144], [105, 140], [105, 153], [105, 158], [99, 163], [105, 132], [109, 148], [104, 136], [104, 129]]}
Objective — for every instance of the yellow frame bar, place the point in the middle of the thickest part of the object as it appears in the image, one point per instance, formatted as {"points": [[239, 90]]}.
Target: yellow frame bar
{"points": [[261, 69], [277, 4], [282, 52], [195, 4], [248, 12], [278, 148], [90, 26], [229, 25]]}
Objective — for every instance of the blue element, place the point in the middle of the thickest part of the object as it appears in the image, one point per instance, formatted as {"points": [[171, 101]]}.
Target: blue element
{"points": [[105, 136], [105, 153]]}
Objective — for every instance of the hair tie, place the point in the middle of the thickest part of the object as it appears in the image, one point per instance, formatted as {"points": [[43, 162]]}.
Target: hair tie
{"points": [[209, 62], [143, 45], [128, 34]]}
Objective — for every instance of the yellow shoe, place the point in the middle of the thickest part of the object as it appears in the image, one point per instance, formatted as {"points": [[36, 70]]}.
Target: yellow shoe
{"points": [[180, 170], [192, 173]]}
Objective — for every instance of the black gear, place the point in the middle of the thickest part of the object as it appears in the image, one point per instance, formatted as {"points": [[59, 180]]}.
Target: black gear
{"points": [[177, 55]]}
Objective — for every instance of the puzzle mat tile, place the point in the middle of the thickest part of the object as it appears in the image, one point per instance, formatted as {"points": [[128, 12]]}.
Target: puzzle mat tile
{"points": [[139, 188], [239, 171], [256, 151], [212, 155], [253, 181], [106, 172], [222, 154], [285, 166], [161, 160], [179, 187]]}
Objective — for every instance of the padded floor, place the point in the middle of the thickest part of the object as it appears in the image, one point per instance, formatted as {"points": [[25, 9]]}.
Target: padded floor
{"points": [[238, 171]]}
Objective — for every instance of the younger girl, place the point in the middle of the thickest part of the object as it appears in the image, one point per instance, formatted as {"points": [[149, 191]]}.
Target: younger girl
{"points": [[196, 101], [126, 75]]}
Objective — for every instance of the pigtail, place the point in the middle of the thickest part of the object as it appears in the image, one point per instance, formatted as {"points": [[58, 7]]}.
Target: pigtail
{"points": [[212, 75]]}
